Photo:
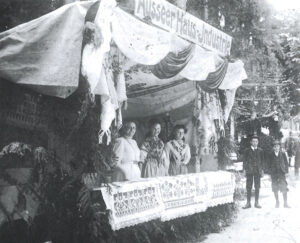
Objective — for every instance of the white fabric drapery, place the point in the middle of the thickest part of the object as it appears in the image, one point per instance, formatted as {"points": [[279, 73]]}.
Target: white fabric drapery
{"points": [[45, 54], [201, 64], [93, 52], [230, 95], [31, 55], [234, 76]]}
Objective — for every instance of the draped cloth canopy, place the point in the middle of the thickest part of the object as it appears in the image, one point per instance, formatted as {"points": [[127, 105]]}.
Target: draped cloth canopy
{"points": [[47, 54]]}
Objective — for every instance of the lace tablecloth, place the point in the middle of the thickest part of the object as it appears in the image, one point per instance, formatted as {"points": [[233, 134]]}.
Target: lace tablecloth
{"points": [[166, 198]]}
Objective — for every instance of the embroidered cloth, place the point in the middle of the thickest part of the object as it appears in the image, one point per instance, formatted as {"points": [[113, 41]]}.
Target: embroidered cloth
{"points": [[131, 203], [183, 195], [166, 198]]}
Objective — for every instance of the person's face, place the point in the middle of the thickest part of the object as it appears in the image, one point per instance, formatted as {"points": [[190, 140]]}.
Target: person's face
{"points": [[276, 148], [254, 142], [179, 133], [130, 129], [155, 130]]}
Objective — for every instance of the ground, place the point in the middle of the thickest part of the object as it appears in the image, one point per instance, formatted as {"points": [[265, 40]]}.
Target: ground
{"points": [[268, 224]]}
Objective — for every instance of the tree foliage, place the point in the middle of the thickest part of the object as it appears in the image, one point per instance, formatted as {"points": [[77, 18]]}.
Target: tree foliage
{"points": [[268, 44], [17, 12]]}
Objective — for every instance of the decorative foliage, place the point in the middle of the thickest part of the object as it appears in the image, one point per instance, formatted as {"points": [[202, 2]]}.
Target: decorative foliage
{"points": [[183, 229], [267, 42]]}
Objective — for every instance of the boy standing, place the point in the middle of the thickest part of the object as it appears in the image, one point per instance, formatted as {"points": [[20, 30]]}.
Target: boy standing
{"points": [[279, 167], [253, 161]]}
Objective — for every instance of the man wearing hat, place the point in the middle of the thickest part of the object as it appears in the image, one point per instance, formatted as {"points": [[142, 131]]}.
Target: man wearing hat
{"points": [[253, 161], [279, 166]]}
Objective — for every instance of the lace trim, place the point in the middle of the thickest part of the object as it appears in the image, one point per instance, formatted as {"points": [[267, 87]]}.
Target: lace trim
{"points": [[132, 222]]}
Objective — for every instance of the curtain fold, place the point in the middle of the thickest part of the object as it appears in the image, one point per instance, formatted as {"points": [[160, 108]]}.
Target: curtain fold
{"points": [[201, 64], [173, 63], [215, 79]]}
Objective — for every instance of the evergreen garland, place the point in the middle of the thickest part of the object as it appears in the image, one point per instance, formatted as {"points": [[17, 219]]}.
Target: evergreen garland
{"points": [[183, 229]]}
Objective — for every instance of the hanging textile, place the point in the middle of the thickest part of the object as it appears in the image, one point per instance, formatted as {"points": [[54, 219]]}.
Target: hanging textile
{"points": [[119, 73], [211, 119], [45, 53], [140, 42], [173, 63], [99, 44], [230, 95], [109, 98], [214, 79], [234, 76], [201, 64]]}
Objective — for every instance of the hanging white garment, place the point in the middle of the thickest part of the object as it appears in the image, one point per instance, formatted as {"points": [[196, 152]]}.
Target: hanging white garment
{"points": [[108, 114], [230, 95], [93, 52], [121, 86], [140, 42]]}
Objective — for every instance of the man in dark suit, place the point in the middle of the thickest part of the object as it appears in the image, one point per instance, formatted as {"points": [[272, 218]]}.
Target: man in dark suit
{"points": [[253, 160]]}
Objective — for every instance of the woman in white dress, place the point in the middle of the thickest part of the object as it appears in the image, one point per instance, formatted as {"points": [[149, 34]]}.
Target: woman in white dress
{"points": [[178, 152], [126, 155]]}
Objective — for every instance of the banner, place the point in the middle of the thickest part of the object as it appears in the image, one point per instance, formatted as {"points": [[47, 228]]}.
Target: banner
{"points": [[166, 198], [140, 42], [174, 19]]}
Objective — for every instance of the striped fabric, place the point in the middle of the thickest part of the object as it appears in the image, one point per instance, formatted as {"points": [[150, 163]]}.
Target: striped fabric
{"points": [[173, 63], [215, 79]]}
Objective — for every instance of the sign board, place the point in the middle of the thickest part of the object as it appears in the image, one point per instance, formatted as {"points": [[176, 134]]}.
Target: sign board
{"points": [[173, 19]]}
